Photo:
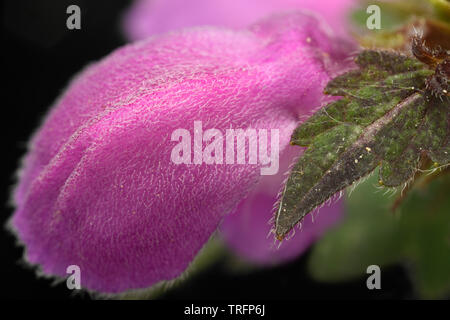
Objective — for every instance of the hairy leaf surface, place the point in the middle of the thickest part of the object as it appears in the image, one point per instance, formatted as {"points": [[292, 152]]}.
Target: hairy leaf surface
{"points": [[385, 117]]}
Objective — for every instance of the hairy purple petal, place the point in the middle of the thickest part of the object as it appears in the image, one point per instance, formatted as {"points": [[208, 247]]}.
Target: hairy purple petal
{"points": [[148, 17], [98, 189]]}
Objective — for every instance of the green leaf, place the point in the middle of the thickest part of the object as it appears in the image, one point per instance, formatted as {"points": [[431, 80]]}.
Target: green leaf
{"points": [[442, 8], [400, 20], [425, 235], [393, 13], [369, 234], [417, 235], [385, 117]]}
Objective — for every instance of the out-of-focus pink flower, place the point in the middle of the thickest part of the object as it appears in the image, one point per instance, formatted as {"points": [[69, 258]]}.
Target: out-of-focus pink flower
{"points": [[98, 188], [150, 17]]}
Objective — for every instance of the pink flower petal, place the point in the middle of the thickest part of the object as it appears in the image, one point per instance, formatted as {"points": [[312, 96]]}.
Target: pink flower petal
{"points": [[98, 188], [150, 17], [245, 231]]}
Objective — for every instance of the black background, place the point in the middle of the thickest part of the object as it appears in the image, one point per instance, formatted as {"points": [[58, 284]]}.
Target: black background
{"points": [[40, 55]]}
